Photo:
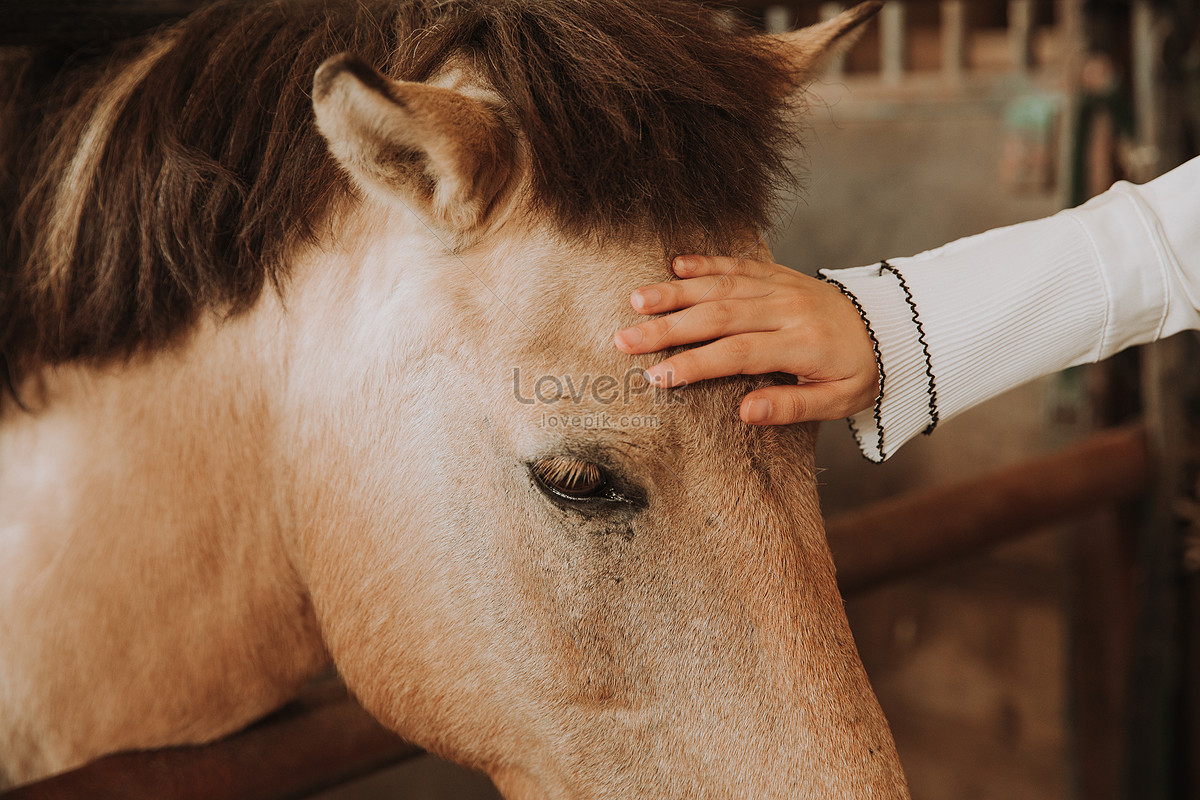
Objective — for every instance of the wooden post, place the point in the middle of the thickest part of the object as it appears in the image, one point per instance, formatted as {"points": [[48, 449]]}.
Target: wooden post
{"points": [[1071, 36], [1020, 34], [838, 68], [954, 40], [1158, 718], [891, 43], [1146, 50], [778, 19], [317, 741], [1101, 609]]}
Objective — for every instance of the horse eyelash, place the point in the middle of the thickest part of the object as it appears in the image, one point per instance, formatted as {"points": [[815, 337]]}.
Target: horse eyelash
{"points": [[569, 473]]}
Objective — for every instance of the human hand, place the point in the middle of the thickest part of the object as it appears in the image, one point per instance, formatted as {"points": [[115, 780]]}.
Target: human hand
{"points": [[758, 317]]}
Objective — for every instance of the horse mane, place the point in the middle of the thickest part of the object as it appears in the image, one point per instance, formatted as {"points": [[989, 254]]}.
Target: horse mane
{"points": [[146, 181]]}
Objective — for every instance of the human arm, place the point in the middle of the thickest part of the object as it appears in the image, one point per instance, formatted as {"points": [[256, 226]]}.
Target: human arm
{"points": [[1013, 304], [1006, 306]]}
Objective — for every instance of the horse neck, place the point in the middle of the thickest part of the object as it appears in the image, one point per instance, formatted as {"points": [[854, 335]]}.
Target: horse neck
{"points": [[146, 596]]}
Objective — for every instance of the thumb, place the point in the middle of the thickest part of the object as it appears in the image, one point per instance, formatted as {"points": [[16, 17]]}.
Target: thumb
{"points": [[783, 405]]}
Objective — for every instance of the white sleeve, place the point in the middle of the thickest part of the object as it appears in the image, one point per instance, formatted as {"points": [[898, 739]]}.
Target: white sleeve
{"points": [[960, 324]]}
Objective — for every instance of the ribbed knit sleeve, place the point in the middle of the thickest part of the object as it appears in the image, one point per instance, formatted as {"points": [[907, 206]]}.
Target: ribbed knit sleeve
{"points": [[970, 320]]}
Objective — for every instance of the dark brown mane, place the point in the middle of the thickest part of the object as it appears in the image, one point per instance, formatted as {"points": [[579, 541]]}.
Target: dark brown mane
{"points": [[646, 117]]}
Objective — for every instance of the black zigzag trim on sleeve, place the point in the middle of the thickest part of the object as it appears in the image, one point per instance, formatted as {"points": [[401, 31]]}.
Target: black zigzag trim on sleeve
{"points": [[932, 385], [877, 411]]}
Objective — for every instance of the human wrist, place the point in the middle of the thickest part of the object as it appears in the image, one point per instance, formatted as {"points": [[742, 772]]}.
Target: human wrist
{"points": [[905, 402]]}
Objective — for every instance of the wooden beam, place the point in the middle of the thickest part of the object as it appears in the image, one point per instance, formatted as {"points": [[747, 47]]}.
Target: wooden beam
{"points": [[954, 40], [318, 741], [900, 536], [892, 50], [1147, 61], [1020, 34]]}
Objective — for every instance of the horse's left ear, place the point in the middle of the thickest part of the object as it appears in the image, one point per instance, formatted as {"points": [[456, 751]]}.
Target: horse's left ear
{"points": [[813, 48], [433, 150]]}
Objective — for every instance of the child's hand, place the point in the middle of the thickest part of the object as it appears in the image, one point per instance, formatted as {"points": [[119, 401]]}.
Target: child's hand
{"points": [[759, 317]]}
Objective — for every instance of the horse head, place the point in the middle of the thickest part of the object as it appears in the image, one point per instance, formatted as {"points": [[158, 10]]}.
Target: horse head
{"points": [[520, 555]]}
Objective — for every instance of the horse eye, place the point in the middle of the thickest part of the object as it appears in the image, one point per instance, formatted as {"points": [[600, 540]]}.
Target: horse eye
{"points": [[569, 477]]}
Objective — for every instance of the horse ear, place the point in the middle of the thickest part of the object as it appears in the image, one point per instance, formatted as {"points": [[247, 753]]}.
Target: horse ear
{"points": [[433, 150], [813, 48]]}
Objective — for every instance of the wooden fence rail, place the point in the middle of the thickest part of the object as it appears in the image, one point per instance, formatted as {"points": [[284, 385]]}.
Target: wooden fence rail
{"points": [[919, 529], [319, 741]]}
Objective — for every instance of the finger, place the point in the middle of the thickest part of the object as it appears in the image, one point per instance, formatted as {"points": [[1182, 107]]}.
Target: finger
{"points": [[699, 323], [783, 405], [660, 298], [745, 354], [697, 266]]}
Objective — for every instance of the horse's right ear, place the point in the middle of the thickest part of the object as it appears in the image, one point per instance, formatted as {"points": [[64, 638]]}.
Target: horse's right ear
{"points": [[435, 151], [813, 48]]}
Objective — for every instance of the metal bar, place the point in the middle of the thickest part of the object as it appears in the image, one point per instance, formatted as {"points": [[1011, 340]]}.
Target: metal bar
{"points": [[322, 739], [897, 537]]}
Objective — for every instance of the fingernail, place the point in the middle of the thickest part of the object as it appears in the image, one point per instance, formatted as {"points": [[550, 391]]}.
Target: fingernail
{"points": [[630, 337], [684, 265], [657, 375], [758, 410], [644, 298]]}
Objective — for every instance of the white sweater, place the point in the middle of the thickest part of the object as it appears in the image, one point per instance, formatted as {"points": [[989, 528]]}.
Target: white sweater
{"points": [[1012, 304]]}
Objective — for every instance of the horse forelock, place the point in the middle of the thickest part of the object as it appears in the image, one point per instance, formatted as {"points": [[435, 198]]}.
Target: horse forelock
{"points": [[176, 175], [653, 116]]}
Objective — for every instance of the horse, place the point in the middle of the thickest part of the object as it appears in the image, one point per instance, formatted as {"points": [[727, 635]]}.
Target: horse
{"points": [[307, 314]]}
